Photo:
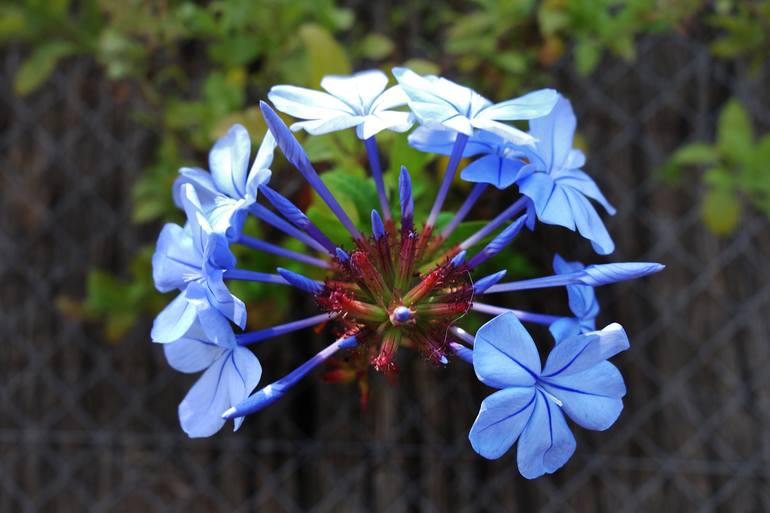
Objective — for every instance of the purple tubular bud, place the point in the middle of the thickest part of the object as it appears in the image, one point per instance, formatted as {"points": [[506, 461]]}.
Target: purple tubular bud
{"points": [[462, 352], [344, 257], [495, 223], [298, 218], [281, 329], [274, 391], [374, 163], [295, 154], [486, 282], [264, 214], [604, 274], [261, 245], [498, 243], [244, 275], [378, 229], [449, 174], [458, 259], [301, 282], [593, 275], [405, 196]]}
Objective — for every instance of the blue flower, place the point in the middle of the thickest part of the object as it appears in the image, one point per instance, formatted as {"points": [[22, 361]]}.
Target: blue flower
{"points": [[359, 100], [231, 373], [582, 302], [440, 103], [529, 407], [231, 188], [193, 260], [501, 163], [559, 190]]}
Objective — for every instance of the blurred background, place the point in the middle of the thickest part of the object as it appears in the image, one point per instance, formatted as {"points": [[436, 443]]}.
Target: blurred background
{"points": [[101, 101]]}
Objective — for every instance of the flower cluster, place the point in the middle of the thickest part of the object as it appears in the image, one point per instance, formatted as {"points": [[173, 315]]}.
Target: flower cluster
{"points": [[403, 285]]}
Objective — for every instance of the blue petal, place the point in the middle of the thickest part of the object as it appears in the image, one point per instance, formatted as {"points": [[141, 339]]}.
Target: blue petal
{"points": [[202, 182], [583, 183], [226, 216], [591, 398], [550, 203], [554, 133], [504, 354], [260, 170], [582, 298], [565, 328], [494, 170], [173, 321], [501, 419], [442, 142], [546, 443], [193, 352], [229, 161], [588, 222], [228, 381], [174, 262], [220, 297], [582, 352]]}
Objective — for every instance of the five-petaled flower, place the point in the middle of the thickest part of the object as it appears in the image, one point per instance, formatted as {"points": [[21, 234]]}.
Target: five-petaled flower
{"points": [[576, 379], [231, 188], [359, 101]]}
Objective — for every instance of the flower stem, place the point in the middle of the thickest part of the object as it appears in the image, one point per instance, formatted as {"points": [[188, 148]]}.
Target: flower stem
{"points": [[449, 174], [281, 329], [521, 315], [495, 223], [261, 245], [374, 162]]}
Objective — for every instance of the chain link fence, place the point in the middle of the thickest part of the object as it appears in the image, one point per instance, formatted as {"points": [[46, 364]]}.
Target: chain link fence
{"points": [[86, 425]]}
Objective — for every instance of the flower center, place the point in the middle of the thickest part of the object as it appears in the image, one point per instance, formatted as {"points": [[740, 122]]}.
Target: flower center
{"points": [[391, 293]]}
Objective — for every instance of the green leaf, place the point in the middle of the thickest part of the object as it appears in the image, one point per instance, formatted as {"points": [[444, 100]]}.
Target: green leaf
{"points": [[721, 211], [695, 154], [376, 47], [587, 54], [734, 132], [39, 66], [325, 55]]}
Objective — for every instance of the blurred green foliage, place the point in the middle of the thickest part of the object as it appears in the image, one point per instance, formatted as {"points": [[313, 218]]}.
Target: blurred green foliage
{"points": [[737, 169], [199, 67]]}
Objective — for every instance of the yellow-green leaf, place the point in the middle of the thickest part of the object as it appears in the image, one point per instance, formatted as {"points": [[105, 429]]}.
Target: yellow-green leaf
{"points": [[325, 56], [721, 211], [39, 66]]}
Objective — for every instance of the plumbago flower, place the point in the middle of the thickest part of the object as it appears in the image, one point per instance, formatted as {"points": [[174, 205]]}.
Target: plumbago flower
{"points": [[397, 285]]}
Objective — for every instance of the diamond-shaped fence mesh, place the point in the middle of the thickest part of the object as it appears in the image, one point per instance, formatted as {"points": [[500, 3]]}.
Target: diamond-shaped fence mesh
{"points": [[90, 426]]}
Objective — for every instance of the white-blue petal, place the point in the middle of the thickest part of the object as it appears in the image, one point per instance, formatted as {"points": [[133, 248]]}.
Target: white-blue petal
{"points": [[501, 419], [359, 90], [175, 262], [547, 443], [194, 352], [202, 182], [306, 103], [224, 384], [504, 354], [229, 161], [532, 105], [173, 321]]}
